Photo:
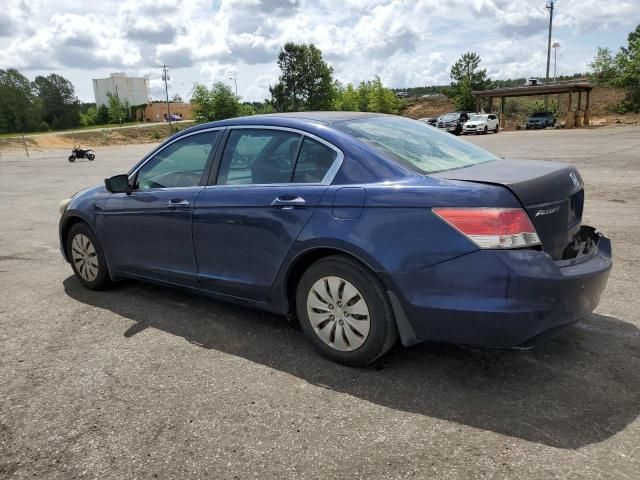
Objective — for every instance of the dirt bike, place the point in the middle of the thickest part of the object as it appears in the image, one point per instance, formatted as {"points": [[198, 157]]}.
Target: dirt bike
{"points": [[81, 153]]}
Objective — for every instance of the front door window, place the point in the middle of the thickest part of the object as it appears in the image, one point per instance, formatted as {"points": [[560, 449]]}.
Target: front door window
{"points": [[181, 164]]}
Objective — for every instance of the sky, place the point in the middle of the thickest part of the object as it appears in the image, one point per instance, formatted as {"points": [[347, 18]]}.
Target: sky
{"points": [[405, 42]]}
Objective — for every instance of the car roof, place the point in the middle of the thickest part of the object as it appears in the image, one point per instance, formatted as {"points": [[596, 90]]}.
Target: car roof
{"points": [[295, 117]]}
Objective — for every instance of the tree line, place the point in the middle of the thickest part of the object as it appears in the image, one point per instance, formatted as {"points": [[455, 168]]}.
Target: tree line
{"points": [[46, 103]]}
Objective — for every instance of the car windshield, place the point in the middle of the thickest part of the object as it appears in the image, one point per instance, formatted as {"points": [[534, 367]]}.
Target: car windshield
{"points": [[415, 144], [478, 118], [450, 116], [539, 114]]}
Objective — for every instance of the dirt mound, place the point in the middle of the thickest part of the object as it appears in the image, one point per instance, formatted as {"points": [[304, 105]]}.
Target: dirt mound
{"points": [[90, 138], [427, 107]]}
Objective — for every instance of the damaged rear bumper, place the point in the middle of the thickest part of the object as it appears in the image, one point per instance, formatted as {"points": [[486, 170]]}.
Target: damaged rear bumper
{"points": [[501, 298]]}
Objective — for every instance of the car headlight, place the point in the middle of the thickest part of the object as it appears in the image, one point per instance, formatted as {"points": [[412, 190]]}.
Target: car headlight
{"points": [[63, 205]]}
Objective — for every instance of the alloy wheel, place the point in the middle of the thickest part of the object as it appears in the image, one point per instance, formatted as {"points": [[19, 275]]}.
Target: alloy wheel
{"points": [[84, 257], [338, 313]]}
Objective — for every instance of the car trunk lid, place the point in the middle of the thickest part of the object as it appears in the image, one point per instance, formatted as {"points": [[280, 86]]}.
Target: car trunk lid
{"points": [[550, 192]]}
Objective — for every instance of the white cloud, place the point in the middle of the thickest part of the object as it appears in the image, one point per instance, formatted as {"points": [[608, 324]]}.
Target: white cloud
{"points": [[405, 42]]}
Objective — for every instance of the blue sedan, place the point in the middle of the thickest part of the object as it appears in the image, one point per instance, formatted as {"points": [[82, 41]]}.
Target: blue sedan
{"points": [[366, 228]]}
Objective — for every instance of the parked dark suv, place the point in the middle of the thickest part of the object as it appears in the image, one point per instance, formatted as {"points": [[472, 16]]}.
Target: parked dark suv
{"points": [[453, 122], [541, 120]]}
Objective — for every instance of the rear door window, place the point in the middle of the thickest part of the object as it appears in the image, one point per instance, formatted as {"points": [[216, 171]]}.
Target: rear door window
{"points": [[259, 156], [314, 162]]}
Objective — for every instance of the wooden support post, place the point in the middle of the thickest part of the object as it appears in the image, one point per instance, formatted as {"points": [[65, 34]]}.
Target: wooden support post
{"points": [[570, 117], [503, 118], [477, 104], [587, 115], [490, 104], [578, 122]]}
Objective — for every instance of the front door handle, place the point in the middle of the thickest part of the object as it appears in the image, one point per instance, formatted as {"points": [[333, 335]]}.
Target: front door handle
{"points": [[287, 202], [178, 202]]}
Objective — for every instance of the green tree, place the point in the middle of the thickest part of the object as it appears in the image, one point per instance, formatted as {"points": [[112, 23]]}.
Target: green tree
{"points": [[370, 96], [628, 64], [381, 99], [604, 67], [60, 107], [217, 103], [89, 118], [19, 105], [306, 81], [467, 76], [102, 115], [117, 110], [279, 99]]}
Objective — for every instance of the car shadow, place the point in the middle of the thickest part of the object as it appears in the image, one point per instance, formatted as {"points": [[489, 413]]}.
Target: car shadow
{"points": [[576, 390]]}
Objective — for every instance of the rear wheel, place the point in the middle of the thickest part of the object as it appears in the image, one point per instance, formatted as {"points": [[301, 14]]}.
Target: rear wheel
{"points": [[344, 311], [497, 129], [87, 257]]}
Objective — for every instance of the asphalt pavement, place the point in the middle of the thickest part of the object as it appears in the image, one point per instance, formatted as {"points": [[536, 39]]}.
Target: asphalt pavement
{"points": [[142, 381]]}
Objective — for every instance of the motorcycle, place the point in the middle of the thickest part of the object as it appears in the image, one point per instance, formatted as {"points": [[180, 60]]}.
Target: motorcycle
{"points": [[81, 153]]}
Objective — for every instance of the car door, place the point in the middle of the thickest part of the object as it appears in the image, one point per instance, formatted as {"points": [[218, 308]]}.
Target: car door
{"points": [[268, 183], [148, 232]]}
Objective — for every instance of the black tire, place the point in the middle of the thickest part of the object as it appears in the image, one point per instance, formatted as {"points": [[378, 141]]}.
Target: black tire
{"points": [[91, 157], [497, 129], [72, 158], [102, 279], [485, 131], [382, 327]]}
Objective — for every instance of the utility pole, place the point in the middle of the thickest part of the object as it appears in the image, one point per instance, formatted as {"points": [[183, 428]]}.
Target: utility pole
{"points": [[165, 77], [548, 6]]}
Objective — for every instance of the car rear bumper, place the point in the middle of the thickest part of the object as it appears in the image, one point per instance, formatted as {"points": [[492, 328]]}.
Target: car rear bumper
{"points": [[509, 298]]}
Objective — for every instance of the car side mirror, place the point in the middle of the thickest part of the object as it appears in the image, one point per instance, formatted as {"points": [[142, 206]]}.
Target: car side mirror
{"points": [[118, 184]]}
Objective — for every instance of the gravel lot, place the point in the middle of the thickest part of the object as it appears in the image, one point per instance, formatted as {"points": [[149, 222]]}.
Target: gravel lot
{"points": [[146, 382]]}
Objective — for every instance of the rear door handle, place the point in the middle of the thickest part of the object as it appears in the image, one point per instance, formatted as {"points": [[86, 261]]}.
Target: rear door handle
{"points": [[287, 202], [178, 202]]}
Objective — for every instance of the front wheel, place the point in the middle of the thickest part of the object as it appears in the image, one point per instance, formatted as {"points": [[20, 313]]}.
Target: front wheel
{"points": [[485, 131], [87, 257], [91, 156], [344, 311], [72, 158]]}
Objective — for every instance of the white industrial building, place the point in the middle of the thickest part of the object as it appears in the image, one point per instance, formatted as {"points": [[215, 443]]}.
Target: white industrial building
{"points": [[128, 89]]}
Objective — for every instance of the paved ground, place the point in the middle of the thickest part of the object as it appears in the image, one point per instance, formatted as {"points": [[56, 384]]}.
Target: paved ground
{"points": [[144, 382]]}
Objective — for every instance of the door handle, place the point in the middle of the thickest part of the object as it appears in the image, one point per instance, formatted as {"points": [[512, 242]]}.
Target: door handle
{"points": [[287, 202], [178, 202]]}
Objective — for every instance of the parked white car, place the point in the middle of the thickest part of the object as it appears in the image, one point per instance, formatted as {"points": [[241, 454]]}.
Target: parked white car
{"points": [[481, 123]]}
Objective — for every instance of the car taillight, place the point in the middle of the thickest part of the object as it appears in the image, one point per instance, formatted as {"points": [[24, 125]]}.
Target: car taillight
{"points": [[492, 227]]}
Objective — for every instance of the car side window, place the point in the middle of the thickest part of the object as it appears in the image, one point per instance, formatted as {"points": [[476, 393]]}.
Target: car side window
{"points": [[181, 164], [314, 162], [259, 156]]}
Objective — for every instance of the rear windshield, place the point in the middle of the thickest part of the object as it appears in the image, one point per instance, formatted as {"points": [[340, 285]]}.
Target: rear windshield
{"points": [[415, 144]]}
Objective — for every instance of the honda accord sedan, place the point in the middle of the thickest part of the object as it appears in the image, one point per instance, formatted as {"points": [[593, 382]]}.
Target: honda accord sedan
{"points": [[365, 228]]}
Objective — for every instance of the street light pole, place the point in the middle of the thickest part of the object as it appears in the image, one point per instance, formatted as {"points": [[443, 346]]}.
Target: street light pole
{"points": [[555, 59], [165, 77], [236, 82]]}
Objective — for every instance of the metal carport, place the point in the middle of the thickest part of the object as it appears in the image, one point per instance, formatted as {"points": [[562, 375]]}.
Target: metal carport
{"points": [[573, 118]]}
